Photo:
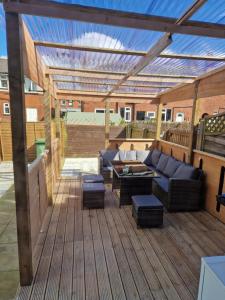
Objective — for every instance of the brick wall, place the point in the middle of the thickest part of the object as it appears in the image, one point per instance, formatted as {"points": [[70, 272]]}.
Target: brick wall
{"points": [[31, 101]]}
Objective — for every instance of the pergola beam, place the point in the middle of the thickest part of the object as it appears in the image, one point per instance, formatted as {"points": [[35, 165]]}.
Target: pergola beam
{"points": [[124, 52], [115, 17], [53, 70], [111, 84]]}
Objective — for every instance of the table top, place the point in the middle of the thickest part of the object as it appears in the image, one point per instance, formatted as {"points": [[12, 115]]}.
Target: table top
{"points": [[118, 169]]}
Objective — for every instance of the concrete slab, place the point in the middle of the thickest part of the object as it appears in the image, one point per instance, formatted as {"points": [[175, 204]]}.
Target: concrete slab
{"points": [[80, 166]]}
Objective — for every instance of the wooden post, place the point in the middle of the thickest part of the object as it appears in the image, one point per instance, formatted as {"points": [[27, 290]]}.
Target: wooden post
{"points": [[193, 120], [57, 118], [19, 147], [158, 121], [107, 123], [48, 136]]}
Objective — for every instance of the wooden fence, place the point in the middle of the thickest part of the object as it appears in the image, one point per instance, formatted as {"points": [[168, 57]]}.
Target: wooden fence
{"points": [[211, 137], [35, 130], [177, 136]]}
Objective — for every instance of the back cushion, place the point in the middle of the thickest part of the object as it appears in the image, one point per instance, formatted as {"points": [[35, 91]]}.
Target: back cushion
{"points": [[122, 154], [108, 156], [142, 155], [147, 160], [131, 155], [184, 172], [171, 166], [162, 162], [155, 157]]}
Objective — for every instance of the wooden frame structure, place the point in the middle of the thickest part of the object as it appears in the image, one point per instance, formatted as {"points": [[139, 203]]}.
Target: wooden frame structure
{"points": [[26, 53]]}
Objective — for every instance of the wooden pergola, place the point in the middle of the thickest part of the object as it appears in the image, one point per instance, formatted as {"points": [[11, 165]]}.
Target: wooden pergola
{"points": [[25, 59]]}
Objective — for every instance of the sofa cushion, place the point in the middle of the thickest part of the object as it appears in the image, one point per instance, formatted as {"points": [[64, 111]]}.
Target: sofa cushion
{"points": [[108, 155], [162, 162], [184, 172], [131, 155], [163, 182], [147, 160], [122, 155], [142, 155], [155, 157], [171, 166]]}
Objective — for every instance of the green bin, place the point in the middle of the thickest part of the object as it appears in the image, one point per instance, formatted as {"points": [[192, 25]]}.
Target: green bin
{"points": [[40, 147]]}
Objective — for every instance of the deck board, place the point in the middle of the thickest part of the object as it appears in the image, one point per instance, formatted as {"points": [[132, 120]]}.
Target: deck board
{"points": [[100, 254]]}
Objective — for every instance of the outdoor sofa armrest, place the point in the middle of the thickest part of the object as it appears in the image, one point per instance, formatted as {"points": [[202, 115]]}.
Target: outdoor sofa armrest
{"points": [[185, 194]]}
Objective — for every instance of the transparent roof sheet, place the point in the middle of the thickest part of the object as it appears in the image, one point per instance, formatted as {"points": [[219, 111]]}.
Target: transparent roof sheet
{"points": [[182, 67], [89, 34], [168, 8], [85, 79], [83, 87]]}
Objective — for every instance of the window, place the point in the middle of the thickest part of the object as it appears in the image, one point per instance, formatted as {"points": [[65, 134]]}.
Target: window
{"points": [[180, 117], [127, 114], [150, 114], [3, 82], [166, 114], [140, 115], [6, 109], [63, 102], [30, 86], [102, 110]]}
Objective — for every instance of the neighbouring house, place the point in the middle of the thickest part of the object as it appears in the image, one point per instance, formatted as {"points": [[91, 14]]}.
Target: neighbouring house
{"points": [[33, 97]]}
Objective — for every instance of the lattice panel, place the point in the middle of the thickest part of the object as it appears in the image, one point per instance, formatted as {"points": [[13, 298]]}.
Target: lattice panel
{"points": [[215, 125]]}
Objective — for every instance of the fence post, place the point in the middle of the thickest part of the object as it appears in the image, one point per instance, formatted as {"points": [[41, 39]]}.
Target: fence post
{"points": [[193, 122], [200, 135], [107, 123], [159, 121]]}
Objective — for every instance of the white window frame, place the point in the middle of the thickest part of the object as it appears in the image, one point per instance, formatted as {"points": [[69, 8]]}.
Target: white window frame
{"points": [[164, 111], [127, 109], [63, 102], [4, 77], [150, 112], [70, 103], [6, 106], [103, 110], [182, 113]]}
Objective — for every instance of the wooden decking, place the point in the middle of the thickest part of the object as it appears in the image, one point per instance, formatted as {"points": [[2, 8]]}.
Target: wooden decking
{"points": [[100, 254]]}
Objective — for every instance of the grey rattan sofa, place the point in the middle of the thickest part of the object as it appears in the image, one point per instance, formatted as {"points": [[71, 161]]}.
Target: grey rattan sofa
{"points": [[180, 186]]}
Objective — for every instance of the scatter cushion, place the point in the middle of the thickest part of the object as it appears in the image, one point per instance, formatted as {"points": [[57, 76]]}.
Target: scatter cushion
{"points": [[171, 166], [142, 155], [131, 155], [184, 172], [147, 160], [155, 157], [162, 162], [108, 155], [122, 155]]}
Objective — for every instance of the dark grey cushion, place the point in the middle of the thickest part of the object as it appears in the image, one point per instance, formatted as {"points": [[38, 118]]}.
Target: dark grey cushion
{"points": [[171, 166], [155, 157], [108, 155], [93, 187], [162, 162], [184, 172], [146, 202], [147, 161], [142, 155], [163, 182], [131, 155], [93, 178]]}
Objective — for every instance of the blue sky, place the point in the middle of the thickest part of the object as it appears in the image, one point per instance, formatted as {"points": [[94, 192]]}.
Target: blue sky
{"points": [[3, 51]]}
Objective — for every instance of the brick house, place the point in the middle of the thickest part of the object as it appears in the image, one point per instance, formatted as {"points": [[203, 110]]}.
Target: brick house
{"points": [[33, 97]]}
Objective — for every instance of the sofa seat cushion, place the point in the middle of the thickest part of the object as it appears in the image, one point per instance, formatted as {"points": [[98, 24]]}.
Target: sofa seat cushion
{"points": [[163, 182], [155, 155], [162, 162], [108, 169], [142, 155], [184, 171], [171, 166]]}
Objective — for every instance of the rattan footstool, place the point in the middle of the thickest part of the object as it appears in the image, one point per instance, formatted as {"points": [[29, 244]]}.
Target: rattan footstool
{"points": [[147, 210], [93, 195], [93, 178]]}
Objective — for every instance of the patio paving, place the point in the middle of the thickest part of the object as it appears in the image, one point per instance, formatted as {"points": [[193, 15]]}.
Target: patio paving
{"points": [[9, 273], [80, 166]]}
